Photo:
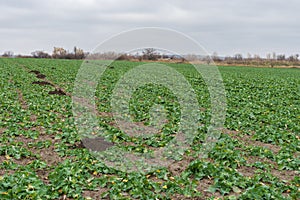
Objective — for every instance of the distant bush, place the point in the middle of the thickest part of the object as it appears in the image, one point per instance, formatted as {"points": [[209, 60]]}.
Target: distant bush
{"points": [[61, 53], [40, 54]]}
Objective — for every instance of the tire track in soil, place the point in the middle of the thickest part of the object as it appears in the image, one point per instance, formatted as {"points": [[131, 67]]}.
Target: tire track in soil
{"points": [[48, 155], [22, 100], [287, 175], [248, 140]]}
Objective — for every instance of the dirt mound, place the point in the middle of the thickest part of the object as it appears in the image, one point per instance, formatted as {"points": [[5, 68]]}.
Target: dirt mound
{"points": [[58, 92], [42, 83], [41, 76], [38, 74]]}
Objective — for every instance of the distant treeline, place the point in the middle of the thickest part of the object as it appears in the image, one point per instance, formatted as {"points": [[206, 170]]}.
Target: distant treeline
{"points": [[151, 54], [271, 60]]}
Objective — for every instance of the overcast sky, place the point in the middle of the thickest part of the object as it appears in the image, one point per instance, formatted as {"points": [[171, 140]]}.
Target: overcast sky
{"points": [[226, 27]]}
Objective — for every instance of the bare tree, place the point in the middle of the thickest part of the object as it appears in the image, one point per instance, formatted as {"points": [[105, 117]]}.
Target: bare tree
{"points": [[189, 57], [293, 58], [281, 57], [8, 54], [207, 60], [249, 56], [238, 56], [40, 54], [78, 53], [274, 56], [150, 54], [256, 57], [215, 56], [59, 52]]}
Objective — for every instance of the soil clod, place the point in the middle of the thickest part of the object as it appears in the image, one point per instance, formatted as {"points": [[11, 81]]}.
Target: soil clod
{"points": [[41, 76], [41, 83], [58, 92]]}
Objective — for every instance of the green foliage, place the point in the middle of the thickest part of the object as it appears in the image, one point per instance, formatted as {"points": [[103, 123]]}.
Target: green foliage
{"points": [[23, 185], [262, 104]]}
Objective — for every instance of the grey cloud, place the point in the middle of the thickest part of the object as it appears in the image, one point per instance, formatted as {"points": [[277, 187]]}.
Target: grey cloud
{"points": [[223, 26]]}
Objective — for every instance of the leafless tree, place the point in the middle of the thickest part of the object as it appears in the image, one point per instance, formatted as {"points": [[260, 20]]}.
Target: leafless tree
{"points": [[281, 57], [40, 54], [274, 56], [293, 58], [215, 56], [59, 52], [238, 56], [256, 57], [190, 57], [78, 53], [249, 56], [8, 54], [150, 54]]}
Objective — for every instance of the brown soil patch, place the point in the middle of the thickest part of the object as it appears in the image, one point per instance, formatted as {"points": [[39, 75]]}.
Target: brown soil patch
{"points": [[4, 171], [41, 76], [58, 92], [95, 194], [253, 159], [181, 197], [33, 118], [64, 197], [50, 156], [24, 105], [96, 144], [23, 161], [272, 147], [2, 130], [40, 129], [42, 137], [281, 174], [247, 171], [105, 114], [23, 139], [42, 83], [203, 186], [178, 167], [43, 174], [21, 99], [287, 175], [248, 140], [134, 129]]}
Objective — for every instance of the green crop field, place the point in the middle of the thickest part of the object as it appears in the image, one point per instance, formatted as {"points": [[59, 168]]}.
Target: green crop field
{"points": [[41, 155]]}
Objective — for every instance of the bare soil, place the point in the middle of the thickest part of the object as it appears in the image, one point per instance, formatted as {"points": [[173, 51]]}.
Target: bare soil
{"points": [[41, 76], [42, 83], [248, 140], [58, 92]]}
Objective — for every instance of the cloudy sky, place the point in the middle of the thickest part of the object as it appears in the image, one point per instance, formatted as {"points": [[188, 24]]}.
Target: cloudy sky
{"points": [[226, 27]]}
